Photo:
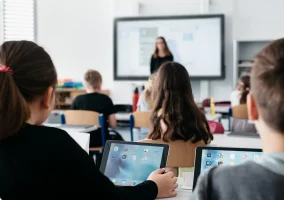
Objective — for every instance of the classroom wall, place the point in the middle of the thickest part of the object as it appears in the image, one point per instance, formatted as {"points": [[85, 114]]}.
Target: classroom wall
{"points": [[258, 19], [78, 34]]}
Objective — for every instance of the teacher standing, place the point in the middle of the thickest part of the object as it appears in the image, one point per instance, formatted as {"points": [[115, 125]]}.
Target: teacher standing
{"points": [[161, 54]]}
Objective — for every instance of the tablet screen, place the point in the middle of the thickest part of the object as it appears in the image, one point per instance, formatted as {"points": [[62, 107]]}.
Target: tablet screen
{"points": [[129, 164], [212, 158]]}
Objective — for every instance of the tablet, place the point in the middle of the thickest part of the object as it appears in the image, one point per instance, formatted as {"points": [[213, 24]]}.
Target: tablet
{"points": [[207, 157], [130, 163]]}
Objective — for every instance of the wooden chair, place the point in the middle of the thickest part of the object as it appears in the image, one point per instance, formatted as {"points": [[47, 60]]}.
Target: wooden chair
{"points": [[139, 120], [83, 117], [240, 112], [181, 154]]}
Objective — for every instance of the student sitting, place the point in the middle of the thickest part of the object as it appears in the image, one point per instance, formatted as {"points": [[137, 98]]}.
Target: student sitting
{"points": [[239, 121], [239, 96], [38, 162], [94, 100], [265, 179], [145, 103], [176, 118]]}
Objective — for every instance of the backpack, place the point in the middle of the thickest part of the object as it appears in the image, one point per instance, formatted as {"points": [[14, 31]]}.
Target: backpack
{"points": [[216, 127]]}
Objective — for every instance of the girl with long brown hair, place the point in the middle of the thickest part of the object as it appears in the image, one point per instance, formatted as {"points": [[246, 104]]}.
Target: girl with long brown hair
{"points": [[145, 103], [161, 54], [175, 116]]}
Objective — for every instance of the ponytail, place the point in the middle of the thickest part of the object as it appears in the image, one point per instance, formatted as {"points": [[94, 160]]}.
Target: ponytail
{"points": [[243, 99], [14, 111], [28, 73], [245, 87]]}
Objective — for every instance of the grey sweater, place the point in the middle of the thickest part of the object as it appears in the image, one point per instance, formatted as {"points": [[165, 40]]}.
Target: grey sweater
{"points": [[248, 181]]}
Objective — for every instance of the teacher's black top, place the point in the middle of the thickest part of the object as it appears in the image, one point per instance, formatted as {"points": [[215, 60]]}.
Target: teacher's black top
{"points": [[46, 163], [157, 62]]}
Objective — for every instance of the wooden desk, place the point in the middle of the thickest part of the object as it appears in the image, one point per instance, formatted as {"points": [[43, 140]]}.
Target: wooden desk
{"points": [[222, 140], [219, 109], [216, 117]]}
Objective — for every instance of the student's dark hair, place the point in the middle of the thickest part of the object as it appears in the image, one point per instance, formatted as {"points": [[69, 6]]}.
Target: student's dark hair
{"points": [[267, 84], [174, 104], [245, 87], [167, 50], [31, 73]]}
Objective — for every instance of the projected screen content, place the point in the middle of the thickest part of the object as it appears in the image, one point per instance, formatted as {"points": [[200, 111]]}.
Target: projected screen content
{"points": [[212, 158], [196, 43]]}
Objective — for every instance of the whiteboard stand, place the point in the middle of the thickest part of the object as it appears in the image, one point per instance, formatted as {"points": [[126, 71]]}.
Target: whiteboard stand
{"points": [[204, 90]]}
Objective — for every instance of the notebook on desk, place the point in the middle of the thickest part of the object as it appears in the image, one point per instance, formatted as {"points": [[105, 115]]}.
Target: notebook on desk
{"points": [[78, 128], [83, 139], [77, 132]]}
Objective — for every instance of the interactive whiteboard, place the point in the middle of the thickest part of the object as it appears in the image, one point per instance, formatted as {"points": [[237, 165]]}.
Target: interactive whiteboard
{"points": [[197, 42]]}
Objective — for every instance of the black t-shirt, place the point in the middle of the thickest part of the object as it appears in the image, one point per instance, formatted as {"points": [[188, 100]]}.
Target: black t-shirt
{"points": [[97, 102], [157, 62], [46, 163]]}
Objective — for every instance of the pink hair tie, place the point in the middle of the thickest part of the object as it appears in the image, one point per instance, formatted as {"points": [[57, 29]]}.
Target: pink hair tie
{"points": [[6, 69]]}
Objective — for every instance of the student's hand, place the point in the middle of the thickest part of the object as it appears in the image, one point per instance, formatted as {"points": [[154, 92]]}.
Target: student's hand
{"points": [[167, 183]]}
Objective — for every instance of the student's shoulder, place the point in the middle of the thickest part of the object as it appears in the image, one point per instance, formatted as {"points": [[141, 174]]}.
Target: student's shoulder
{"points": [[233, 178], [232, 170], [46, 134], [239, 174], [104, 97], [81, 97]]}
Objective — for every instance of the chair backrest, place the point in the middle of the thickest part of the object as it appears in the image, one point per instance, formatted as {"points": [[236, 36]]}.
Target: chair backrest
{"points": [[82, 117], [240, 112], [141, 119], [181, 154], [240, 120]]}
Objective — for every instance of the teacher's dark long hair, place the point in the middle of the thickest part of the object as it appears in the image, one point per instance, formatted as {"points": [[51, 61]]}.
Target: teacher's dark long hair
{"points": [[175, 106], [161, 54]]}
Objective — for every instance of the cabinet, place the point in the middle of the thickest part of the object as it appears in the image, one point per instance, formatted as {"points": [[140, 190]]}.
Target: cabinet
{"points": [[244, 53]]}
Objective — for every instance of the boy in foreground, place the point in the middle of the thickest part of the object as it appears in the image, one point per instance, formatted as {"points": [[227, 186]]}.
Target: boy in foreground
{"points": [[263, 180]]}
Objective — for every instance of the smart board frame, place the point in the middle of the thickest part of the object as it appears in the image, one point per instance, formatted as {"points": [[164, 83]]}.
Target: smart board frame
{"points": [[143, 78]]}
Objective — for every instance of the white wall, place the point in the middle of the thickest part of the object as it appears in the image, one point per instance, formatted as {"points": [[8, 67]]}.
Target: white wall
{"points": [[259, 19], [78, 34], [221, 89]]}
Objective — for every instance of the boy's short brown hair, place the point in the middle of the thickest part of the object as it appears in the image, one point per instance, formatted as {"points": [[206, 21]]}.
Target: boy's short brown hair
{"points": [[267, 84], [93, 78]]}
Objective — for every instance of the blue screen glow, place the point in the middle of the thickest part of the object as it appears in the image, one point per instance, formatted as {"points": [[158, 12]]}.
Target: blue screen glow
{"points": [[130, 165]]}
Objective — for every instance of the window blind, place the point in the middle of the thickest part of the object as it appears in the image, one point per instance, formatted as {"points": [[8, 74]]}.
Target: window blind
{"points": [[19, 20]]}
